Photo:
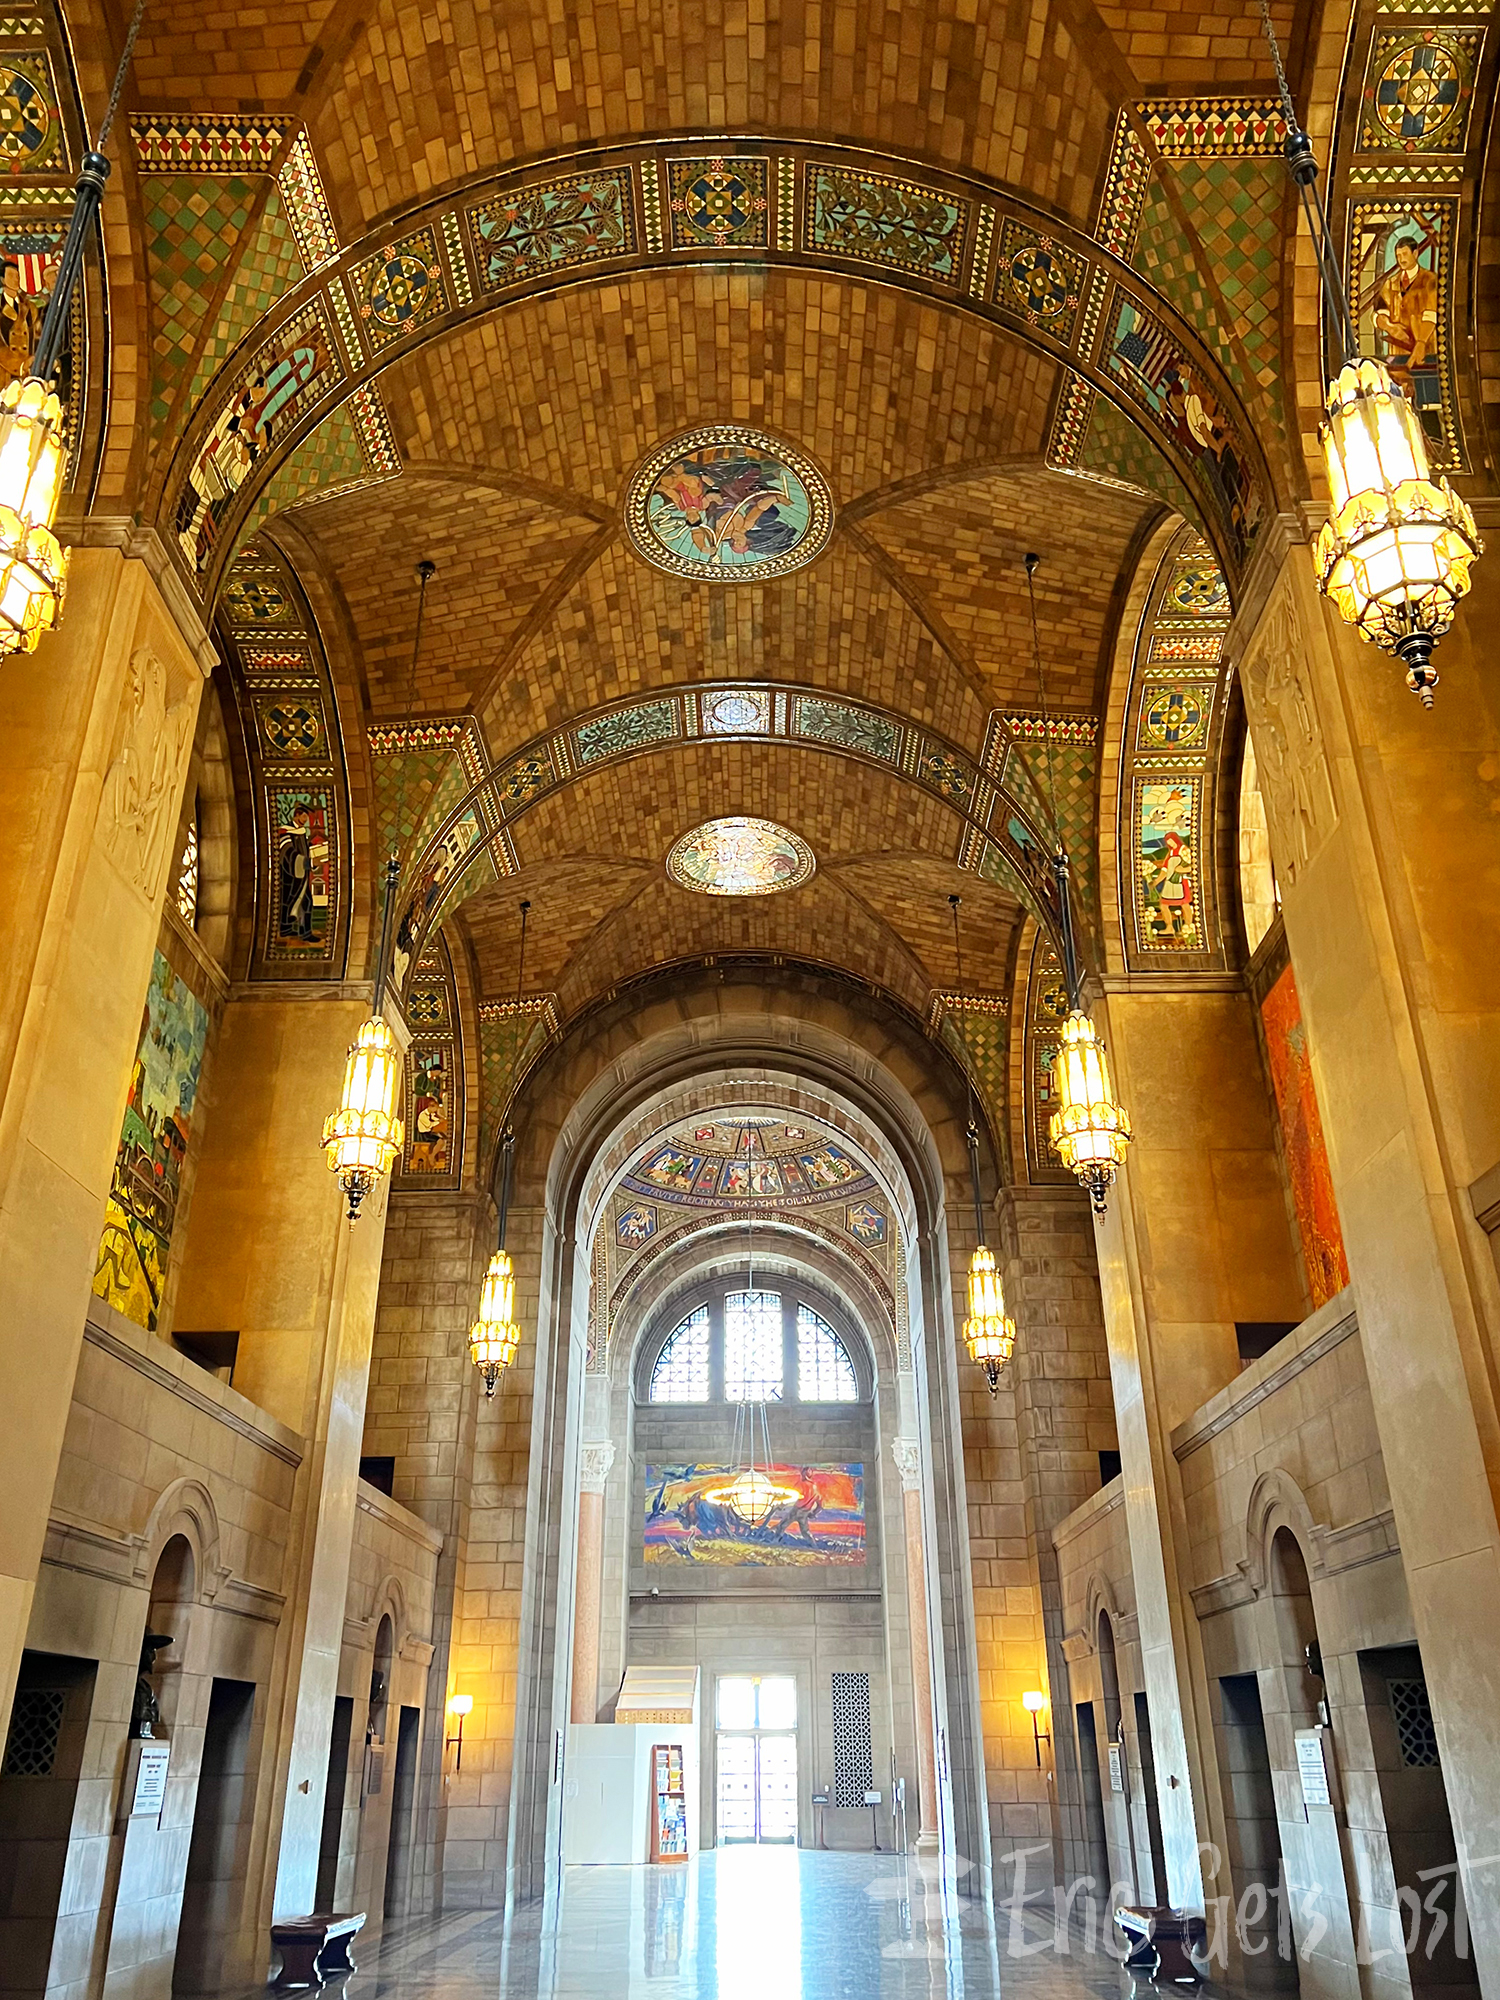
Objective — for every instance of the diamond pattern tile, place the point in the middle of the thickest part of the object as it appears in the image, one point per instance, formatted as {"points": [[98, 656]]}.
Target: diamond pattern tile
{"points": [[270, 266], [194, 223]]}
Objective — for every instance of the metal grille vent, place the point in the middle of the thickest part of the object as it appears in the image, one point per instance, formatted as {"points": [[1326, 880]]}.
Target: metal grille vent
{"points": [[853, 1757], [1414, 1730], [35, 1722]]}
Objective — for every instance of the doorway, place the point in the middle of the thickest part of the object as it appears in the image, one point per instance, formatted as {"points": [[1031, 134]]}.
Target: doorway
{"points": [[756, 1760], [218, 1854]]}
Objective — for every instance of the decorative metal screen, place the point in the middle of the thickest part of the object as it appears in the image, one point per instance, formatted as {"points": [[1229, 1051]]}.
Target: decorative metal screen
{"points": [[753, 1356], [1414, 1730], [681, 1374], [853, 1757], [825, 1374], [35, 1722]]}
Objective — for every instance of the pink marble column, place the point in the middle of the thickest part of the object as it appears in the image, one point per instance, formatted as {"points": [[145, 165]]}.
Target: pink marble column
{"points": [[588, 1587], [908, 1464]]}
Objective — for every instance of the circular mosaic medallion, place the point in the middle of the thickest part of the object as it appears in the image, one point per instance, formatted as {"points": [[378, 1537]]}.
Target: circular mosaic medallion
{"points": [[1041, 281], [399, 290], [740, 857], [728, 505], [1174, 719], [1199, 590], [1419, 93], [27, 128]]}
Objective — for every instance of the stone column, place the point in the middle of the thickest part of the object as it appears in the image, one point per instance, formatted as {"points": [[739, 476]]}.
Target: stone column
{"points": [[270, 1254], [907, 1455], [1065, 1418], [594, 1462], [1196, 1237], [99, 732], [1383, 832]]}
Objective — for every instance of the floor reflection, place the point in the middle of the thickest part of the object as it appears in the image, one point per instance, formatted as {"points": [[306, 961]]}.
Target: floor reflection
{"points": [[744, 1924]]}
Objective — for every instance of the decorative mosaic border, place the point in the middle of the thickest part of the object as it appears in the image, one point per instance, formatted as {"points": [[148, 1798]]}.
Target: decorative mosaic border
{"points": [[527, 230]]}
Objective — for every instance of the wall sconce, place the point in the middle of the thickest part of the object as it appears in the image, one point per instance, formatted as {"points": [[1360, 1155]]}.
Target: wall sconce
{"points": [[460, 1705], [1034, 1701]]}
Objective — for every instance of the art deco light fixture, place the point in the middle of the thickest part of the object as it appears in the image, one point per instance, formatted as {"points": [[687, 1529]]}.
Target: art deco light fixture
{"points": [[754, 1493], [1089, 1130], [989, 1331], [1395, 552], [495, 1337], [362, 1138], [460, 1706], [1034, 1701], [33, 564]]}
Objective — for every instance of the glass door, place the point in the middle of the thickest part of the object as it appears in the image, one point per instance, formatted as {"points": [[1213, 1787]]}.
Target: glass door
{"points": [[756, 1783]]}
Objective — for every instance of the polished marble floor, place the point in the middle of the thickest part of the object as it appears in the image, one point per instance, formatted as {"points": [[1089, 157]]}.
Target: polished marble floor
{"points": [[745, 1924]]}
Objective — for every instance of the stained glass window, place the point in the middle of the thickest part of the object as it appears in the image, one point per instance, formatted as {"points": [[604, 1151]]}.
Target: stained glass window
{"points": [[740, 857], [753, 1367], [681, 1371], [825, 1374], [187, 874]]}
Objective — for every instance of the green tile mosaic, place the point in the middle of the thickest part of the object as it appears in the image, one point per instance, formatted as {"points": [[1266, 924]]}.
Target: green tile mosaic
{"points": [[194, 225], [268, 268]]}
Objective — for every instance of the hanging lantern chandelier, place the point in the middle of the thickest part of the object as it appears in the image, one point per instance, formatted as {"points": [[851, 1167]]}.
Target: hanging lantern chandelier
{"points": [[989, 1331], [754, 1493], [363, 1137], [1089, 1130], [495, 1337], [1396, 549], [33, 563]]}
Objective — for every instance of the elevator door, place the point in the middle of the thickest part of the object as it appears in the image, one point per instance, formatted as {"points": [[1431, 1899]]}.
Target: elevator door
{"points": [[756, 1786]]}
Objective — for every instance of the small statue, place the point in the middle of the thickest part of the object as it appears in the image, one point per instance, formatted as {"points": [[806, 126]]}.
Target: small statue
{"points": [[145, 1710]]}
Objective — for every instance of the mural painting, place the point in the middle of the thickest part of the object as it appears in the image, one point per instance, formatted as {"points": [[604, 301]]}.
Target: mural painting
{"points": [[1166, 810], [672, 1168], [821, 1522], [1400, 294], [1148, 364], [430, 1119], [301, 827], [1302, 1139], [141, 1211]]}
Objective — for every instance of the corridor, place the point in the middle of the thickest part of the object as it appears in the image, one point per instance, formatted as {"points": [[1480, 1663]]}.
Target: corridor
{"points": [[743, 1924]]}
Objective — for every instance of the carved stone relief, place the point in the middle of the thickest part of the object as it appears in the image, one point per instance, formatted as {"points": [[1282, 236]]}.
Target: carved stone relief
{"points": [[138, 812], [1288, 737], [594, 1462]]}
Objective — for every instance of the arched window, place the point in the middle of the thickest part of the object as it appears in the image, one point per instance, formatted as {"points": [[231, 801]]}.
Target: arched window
{"points": [[739, 1346], [754, 1367], [681, 1371], [187, 874], [825, 1374]]}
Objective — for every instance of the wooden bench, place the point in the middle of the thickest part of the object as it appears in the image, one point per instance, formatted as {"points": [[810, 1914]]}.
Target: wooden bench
{"points": [[1160, 1940], [313, 1947]]}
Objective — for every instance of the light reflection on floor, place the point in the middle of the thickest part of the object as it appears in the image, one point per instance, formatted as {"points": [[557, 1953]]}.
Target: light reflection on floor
{"points": [[743, 1924]]}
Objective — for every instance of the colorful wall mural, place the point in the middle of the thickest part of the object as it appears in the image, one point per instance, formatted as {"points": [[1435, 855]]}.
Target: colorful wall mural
{"points": [[1302, 1137], [824, 1523], [141, 1210]]}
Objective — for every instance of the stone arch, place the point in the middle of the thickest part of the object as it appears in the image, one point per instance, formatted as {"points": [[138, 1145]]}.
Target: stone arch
{"points": [[388, 1600], [570, 1106], [629, 176], [184, 1508], [1277, 1502]]}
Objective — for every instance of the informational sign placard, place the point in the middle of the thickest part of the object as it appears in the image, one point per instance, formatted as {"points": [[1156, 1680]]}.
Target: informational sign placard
{"points": [[1116, 1768], [1312, 1768], [146, 1779]]}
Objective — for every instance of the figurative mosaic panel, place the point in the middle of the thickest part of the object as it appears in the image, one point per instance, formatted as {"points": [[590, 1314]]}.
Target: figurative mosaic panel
{"points": [[821, 1522], [719, 203], [1151, 368], [1419, 86], [1400, 297], [1302, 1140], [141, 1210], [866, 1223], [291, 371], [728, 505], [432, 1115], [556, 226], [748, 1160], [635, 1225], [302, 827], [879, 219], [1167, 913], [1047, 1008]]}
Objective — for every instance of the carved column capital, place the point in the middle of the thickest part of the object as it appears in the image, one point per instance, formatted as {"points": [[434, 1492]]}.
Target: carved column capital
{"points": [[594, 1462], [906, 1456]]}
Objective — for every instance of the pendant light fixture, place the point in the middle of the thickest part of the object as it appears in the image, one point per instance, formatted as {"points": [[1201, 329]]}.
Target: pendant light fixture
{"points": [[753, 1494], [363, 1137], [33, 564], [1395, 552], [989, 1331], [495, 1337], [1089, 1130]]}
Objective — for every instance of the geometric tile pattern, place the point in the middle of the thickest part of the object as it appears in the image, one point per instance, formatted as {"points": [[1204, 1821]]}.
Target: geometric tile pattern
{"points": [[719, 201], [270, 266], [194, 223], [881, 220]]}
